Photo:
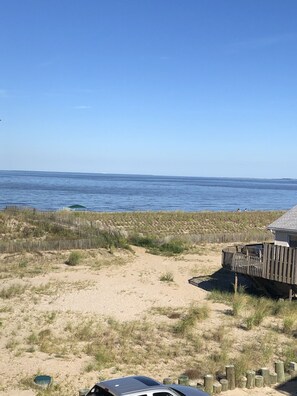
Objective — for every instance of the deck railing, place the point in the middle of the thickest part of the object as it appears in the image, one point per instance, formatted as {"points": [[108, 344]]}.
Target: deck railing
{"points": [[268, 261], [280, 263]]}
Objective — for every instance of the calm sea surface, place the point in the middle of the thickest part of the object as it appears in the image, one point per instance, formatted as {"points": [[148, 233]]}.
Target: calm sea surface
{"points": [[117, 193]]}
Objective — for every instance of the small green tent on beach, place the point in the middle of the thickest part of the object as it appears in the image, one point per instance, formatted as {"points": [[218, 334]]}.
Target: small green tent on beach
{"points": [[77, 207]]}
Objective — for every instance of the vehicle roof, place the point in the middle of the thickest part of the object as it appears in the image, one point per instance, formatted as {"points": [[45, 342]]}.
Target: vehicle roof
{"points": [[136, 383]]}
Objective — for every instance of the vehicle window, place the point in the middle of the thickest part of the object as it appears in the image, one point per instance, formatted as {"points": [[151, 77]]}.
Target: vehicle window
{"points": [[146, 380], [179, 392], [97, 391], [162, 394]]}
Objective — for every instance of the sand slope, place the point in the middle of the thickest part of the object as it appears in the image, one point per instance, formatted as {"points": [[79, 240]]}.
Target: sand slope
{"points": [[126, 290]]}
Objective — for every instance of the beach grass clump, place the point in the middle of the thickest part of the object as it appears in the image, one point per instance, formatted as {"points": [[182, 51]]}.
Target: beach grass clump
{"points": [[12, 291], [238, 304], [220, 296], [48, 342], [262, 309], [187, 322], [167, 277], [73, 259], [173, 247], [86, 330], [220, 335], [255, 319], [149, 242], [155, 245], [169, 312], [289, 353], [289, 325], [254, 354]]}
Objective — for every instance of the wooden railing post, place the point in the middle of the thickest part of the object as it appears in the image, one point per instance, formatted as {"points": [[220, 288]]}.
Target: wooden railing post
{"points": [[295, 272], [264, 261]]}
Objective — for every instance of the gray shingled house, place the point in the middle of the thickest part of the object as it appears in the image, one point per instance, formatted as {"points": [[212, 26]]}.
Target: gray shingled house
{"points": [[285, 229], [272, 266]]}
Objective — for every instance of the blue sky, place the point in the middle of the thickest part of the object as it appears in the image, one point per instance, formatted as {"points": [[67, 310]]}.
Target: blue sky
{"points": [[169, 87]]}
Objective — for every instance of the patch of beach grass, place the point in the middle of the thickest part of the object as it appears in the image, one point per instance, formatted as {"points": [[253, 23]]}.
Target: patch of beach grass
{"points": [[238, 304], [220, 296], [169, 312], [100, 263], [260, 312], [12, 344], [167, 277], [289, 324], [157, 246], [14, 290], [190, 318], [74, 258], [255, 354], [48, 342]]}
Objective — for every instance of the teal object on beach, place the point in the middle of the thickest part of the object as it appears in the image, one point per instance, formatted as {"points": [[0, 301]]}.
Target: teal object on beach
{"points": [[44, 381], [77, 207]]}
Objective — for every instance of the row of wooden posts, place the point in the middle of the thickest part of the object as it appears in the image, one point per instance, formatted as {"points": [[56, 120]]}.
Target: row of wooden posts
{"points": [[252, 379]]}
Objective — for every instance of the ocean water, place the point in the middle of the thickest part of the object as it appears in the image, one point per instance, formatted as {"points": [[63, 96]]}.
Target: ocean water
{"points": [[117, 193]]}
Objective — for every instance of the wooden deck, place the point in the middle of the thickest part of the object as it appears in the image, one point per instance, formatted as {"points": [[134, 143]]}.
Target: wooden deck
{"points": [[263, 261]]}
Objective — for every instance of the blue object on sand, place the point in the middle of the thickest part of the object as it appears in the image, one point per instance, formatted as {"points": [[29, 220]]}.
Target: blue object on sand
{"points": [[43, 381], [77, 207]]}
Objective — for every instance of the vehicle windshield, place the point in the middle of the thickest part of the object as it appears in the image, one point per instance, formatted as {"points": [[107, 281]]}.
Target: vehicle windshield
{"points": [[97, 391], [177, 391]]}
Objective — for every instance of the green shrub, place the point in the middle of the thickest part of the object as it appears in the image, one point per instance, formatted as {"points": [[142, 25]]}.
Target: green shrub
{"points": [[172, 247], [157, 246], [144, 241], [73, 259]]}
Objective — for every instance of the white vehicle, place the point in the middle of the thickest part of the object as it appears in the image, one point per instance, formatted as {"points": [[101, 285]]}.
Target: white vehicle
{"points": [[141, 386]]}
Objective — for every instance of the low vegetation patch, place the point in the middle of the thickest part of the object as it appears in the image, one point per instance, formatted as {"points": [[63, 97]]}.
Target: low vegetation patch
{"points": [[157, 246], [12, 291], [73, 259], [167, 277], [190, 318]]}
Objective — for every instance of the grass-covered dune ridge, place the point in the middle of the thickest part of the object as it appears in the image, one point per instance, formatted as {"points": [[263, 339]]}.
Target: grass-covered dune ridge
{"points": [[27, 223], [160, 232]]}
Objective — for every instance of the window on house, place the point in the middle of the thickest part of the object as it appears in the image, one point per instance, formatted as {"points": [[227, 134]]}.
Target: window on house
{"points": [[293, 241]]}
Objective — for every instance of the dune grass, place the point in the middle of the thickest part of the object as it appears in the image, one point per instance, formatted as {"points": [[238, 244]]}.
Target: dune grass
{"points": [[145, 228]]}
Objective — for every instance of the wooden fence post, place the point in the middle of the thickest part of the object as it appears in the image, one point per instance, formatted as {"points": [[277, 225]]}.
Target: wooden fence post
{"points": [[230, 375], [242, 382], [266, 376], [273, 378], [235, 282], [208, 383], [183, 380], [280, 371], [217, 388], [224, 383], [250, 375], [258, 381]]}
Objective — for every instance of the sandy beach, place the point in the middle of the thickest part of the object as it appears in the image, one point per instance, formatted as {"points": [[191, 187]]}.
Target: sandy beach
{"points": [[123, 287]]}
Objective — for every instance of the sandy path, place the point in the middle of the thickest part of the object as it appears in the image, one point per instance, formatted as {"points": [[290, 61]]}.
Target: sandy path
{"points": [[127, 292]]}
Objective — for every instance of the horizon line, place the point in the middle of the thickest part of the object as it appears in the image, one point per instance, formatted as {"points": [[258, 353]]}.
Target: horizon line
{"points": [[149, 174]]}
